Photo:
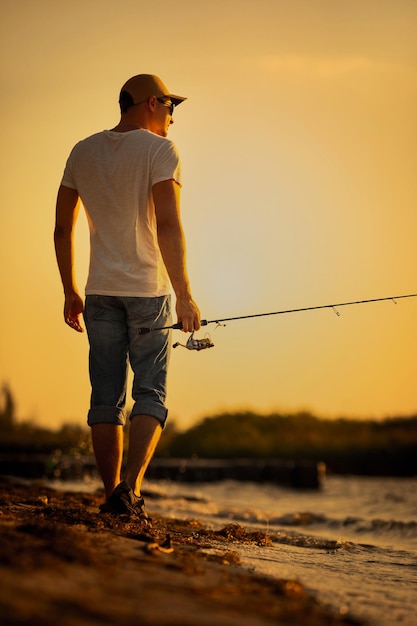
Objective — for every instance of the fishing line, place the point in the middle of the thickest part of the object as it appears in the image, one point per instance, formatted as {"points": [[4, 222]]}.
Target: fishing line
{"points": [[201, 344]]}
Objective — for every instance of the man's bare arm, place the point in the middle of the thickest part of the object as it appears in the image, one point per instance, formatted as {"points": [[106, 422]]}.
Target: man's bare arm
{"points": [[67, 209], [171, 241]]}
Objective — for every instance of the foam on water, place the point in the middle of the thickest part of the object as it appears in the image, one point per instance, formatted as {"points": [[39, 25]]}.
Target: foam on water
{"points": [[354, 544]]}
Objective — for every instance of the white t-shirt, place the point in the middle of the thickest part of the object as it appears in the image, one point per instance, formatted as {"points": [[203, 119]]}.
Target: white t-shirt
{"points": [[114, 174]]}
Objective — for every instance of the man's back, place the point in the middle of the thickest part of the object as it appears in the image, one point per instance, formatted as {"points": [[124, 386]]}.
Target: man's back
{"points": [[114, 173]]}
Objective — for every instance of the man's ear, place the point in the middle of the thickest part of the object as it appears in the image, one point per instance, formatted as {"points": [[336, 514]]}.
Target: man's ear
{"points": [[152, 103]]}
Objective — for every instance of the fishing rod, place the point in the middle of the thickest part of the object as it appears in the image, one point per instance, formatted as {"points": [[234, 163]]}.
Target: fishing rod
{"points": [[201, 344]]}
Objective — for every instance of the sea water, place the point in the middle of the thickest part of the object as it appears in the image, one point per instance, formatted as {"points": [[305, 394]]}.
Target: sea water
{"points": [[353, 543]]}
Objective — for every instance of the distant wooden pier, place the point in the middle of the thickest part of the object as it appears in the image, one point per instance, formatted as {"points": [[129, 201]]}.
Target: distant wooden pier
{"points": [[296, 474]]}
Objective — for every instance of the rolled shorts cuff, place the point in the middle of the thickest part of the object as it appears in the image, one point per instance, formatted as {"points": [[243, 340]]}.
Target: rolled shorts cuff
{"points": [[106, 415], [153, 409]]}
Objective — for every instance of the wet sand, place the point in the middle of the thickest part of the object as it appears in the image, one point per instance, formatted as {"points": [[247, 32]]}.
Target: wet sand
{"points": [[62, 563]]}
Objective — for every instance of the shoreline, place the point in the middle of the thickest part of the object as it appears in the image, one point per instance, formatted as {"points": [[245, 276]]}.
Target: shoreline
{"points": [[61, 562]]}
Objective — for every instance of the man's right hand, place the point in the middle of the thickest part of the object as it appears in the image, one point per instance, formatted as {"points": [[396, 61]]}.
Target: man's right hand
{"points": [[188, 314]]}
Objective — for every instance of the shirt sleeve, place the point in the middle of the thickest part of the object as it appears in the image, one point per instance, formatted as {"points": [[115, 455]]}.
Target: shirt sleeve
{"points": [[67, 178], [166, 164]]}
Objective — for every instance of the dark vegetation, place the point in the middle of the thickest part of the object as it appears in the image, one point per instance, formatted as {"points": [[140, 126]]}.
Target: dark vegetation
{"points": [[367, 447], [22, 437]]}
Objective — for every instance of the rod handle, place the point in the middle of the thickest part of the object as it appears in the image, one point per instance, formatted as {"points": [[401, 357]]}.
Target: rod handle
{"points": [[178, 326]]}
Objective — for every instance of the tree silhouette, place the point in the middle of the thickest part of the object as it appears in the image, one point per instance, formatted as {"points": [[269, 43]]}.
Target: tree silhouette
{"points": [[7, 412]]}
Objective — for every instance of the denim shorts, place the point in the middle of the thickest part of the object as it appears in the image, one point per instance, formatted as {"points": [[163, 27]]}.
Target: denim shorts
{"points": [[112, 324]]}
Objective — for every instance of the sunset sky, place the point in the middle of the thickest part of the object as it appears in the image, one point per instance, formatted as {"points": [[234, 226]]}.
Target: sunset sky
{"points": [[299, 151]]}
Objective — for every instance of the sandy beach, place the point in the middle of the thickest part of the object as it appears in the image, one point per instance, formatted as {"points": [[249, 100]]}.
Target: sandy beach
{"points": [[63, 563]]}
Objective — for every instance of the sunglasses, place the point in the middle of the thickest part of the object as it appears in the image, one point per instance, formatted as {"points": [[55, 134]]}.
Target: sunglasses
{"points": [[168, 104]]}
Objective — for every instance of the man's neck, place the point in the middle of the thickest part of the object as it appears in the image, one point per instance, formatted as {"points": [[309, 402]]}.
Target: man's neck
{"points": [[124, 127]]}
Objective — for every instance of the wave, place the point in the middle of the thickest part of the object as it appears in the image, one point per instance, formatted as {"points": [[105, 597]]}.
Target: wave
{"points": [[305, 518]]}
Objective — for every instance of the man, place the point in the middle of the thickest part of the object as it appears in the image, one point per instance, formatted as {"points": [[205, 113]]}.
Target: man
{"points": [[128, 180]]}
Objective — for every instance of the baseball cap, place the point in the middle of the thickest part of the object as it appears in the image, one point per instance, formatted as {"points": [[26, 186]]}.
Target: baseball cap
{"points": [[143, 86]]}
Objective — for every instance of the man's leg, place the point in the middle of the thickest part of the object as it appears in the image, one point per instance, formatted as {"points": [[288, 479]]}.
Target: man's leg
{"points": [[105, 321], [149, 355], [108, 449], [145, 432]]}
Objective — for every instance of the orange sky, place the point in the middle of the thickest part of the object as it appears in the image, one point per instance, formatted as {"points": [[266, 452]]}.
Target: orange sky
{"points": [[299, 154]]}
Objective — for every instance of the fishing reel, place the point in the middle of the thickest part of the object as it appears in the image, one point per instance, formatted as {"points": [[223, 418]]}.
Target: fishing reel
{"points": [[196, 344]]}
